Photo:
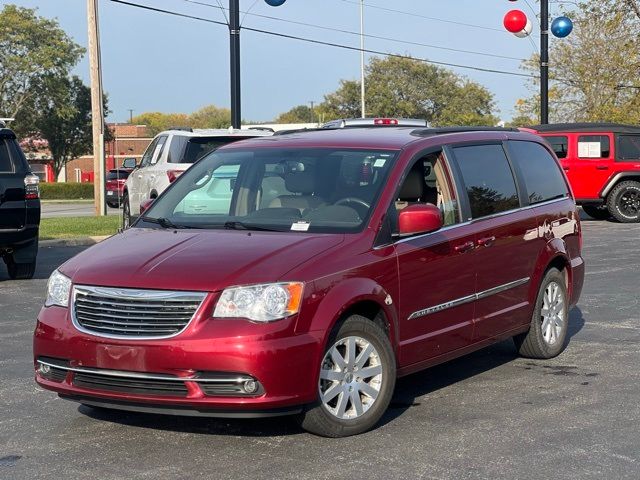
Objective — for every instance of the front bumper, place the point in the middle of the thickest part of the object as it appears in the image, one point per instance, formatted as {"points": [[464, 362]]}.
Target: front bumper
{"points": [[197, 372]]}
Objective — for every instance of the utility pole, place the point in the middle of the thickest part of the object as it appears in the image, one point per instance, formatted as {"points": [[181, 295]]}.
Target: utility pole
{"points": [[130, 115], [97, 113], [234, 41], [544, 62], [362, 87], [313, 117]]}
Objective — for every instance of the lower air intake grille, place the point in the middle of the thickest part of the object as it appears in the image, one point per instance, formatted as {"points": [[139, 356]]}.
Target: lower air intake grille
{"points": [[138, 386]]}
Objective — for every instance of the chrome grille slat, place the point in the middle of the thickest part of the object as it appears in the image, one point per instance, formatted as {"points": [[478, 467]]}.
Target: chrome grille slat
{"points": [[133, 313], [131, 317], [129, 310]]}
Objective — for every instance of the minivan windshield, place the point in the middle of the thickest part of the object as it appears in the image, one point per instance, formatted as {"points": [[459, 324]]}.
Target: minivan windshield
{"points": [[322, 190]]}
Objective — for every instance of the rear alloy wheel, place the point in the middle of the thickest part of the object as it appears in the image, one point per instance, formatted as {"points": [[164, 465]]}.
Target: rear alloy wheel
{"points": [[550, 322], [624, 202], [356, 380], [126, 212], [598, 212]]}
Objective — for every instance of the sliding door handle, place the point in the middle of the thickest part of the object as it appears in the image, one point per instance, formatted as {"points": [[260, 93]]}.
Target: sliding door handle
{"points": [[464, 247]]}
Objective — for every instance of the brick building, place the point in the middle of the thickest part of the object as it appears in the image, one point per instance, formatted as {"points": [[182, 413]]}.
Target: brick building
{"points": [[128, 141]]}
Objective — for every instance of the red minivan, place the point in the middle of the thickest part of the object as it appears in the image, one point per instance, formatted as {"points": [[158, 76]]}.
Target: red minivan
{"points": [[303, 273]]}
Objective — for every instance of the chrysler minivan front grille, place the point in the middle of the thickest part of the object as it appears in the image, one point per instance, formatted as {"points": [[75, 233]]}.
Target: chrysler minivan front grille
{"points": [[133, 313]]}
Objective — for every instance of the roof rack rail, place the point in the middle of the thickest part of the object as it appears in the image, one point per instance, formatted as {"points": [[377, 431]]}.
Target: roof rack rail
{"points": [[427, 132], [586, 126], [182, 129]]}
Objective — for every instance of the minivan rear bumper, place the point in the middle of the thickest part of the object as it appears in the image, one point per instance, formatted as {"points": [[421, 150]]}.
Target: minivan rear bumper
{"points": [[179, 375]]}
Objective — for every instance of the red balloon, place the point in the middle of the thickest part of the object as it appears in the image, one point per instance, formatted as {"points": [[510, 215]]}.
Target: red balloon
{"points": [[515, 21]]}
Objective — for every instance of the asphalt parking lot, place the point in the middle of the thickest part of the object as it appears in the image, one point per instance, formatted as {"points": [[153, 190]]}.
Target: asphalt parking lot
{"points": [[490, 415]]}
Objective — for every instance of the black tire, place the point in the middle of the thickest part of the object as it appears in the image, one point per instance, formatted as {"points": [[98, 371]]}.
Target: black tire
{"points": [[20, 271], [623, 202], [534, 343], [318, 419], [126, 212], [113, 205], [598, 212]]}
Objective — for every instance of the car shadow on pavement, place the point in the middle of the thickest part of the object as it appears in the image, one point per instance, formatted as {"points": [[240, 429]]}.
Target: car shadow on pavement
{"points": [[407, 394], [412, 387]]}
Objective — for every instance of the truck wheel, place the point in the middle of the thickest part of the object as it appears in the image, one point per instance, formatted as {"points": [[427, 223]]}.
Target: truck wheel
{"points": [[624, 202], [597, 212], [126, 212], [356, 381], [20, 271], [550, 322]]}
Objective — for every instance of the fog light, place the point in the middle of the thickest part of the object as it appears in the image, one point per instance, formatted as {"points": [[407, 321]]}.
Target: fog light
{"points": [[250, 386], [44, 369]]}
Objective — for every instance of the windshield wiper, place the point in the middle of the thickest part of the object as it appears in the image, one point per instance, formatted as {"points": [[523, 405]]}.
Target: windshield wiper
{"points": [[235, 225], [165, 223]]}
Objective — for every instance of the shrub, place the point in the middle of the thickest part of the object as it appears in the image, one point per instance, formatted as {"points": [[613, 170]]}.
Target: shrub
{"points": [[66, 191]]}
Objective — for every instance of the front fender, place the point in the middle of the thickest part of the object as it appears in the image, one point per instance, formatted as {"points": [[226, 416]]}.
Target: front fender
{"points": [[334, 299]]}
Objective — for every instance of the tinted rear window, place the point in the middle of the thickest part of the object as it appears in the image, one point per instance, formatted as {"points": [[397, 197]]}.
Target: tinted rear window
{"points": [[190, 150], [629, 147], [6, 165], [541, 173], [115, 175], [488, 179], [560, 145]]}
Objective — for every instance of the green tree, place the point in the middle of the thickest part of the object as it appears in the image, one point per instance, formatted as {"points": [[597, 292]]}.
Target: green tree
{"points": [[63, 118], [32, 49], [404, 87], [210, 117], [207, 117], [594, 71], [298, 114]]}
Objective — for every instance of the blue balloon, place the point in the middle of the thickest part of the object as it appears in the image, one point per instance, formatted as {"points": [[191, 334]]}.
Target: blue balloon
{"points": [[275, 3], [562, 27]]}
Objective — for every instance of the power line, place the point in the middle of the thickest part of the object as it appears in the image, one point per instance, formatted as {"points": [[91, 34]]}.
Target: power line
{"points": [[329, 44], [350, 32], [435, 19], [348, 47]]}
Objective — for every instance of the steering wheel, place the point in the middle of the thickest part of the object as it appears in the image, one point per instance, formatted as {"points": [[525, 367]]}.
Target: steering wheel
{"points": [[358, 201]]}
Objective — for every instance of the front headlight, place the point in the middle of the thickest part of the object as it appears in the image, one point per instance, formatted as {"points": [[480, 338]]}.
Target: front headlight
{"points": [[260, 303], [58, 290]]}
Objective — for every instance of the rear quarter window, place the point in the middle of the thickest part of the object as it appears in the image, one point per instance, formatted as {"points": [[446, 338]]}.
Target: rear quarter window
{"points": [[628, 148], [539, 170]]}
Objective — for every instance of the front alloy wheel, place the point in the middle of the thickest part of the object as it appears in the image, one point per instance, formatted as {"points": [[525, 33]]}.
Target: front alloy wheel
{"points": [[356, 379], [553, 313], [350, 378]]}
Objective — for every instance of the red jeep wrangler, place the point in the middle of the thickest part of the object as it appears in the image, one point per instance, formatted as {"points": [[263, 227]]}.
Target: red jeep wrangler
{"points": [[602, 162]]}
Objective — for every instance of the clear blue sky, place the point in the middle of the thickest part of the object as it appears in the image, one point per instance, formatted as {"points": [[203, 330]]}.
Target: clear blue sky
{"points": [[156, 62]]}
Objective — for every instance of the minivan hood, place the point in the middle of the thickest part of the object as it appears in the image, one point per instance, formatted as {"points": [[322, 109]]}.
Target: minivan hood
{"points": [[194, 260]]}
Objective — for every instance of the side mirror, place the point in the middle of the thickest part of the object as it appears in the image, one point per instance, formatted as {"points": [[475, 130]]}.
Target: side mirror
{"points": [[145, 204], [419, 219], [130, 163]]}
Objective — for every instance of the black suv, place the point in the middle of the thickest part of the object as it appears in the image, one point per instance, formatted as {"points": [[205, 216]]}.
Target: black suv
{"points": [[19, 208]]}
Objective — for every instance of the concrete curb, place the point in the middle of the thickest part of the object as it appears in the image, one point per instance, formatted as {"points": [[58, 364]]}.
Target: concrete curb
{"points": [[73, 242]]}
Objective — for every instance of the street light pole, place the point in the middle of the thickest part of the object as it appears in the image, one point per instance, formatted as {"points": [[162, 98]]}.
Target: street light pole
{"points": [[234, 41], [362, 87], [544, 62]]}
